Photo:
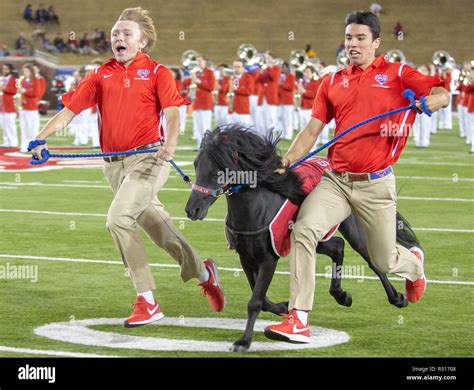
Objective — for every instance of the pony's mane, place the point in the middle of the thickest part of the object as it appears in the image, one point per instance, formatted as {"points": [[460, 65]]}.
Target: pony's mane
{"points": [[238, 148]]}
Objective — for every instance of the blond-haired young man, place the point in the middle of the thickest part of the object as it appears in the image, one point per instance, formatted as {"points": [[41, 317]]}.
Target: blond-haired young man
{"points": [[133, 93]]}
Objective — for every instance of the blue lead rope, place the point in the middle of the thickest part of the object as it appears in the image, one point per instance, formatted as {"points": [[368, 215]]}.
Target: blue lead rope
{"points": [[408, 94]]}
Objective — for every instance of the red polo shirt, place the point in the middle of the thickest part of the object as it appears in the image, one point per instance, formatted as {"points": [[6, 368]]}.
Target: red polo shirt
{"points": [[130, 101], [353, 95]]}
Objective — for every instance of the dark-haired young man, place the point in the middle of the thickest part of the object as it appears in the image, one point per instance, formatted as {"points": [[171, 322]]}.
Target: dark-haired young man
{"points": [[361, 179]]}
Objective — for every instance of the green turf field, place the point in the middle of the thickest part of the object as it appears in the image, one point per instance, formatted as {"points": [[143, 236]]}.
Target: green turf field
{"points": [[436, 187]]}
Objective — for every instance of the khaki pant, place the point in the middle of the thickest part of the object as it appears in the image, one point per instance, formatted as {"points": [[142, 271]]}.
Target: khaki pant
{"points": [[332, 201], [135, 182]]}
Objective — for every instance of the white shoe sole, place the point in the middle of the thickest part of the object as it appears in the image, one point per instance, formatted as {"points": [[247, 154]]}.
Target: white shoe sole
{"points": [[154, 318], [290, 338]]}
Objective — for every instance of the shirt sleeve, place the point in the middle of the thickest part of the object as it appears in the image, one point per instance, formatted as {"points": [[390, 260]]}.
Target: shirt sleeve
{"points": [[84, 95], [322, 106], [417, 82], [165, 88]]}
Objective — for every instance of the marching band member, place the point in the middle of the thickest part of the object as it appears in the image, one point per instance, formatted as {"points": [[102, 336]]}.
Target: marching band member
{"points": [[465, 116], [308, 87], [469, 122], [180, 88], [8, 112], [434, 115], [461, 109], [183, 110], [268, 96], [29, 116], [422, 124], [202, 105], [40, 81], [80, 122], [287, 89], [241, 86], [221, 108], [253, 99], [445, 114]]}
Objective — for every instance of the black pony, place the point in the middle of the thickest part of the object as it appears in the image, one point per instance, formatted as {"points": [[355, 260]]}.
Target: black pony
{"points": [[250, 211]]}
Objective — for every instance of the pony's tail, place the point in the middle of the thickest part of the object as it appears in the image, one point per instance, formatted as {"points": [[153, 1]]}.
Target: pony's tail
{"points": [[405, 234]]}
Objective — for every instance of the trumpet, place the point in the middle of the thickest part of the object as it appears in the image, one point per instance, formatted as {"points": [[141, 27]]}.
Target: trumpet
{"points": [[299, 61], [442, 60], [17, 99]]}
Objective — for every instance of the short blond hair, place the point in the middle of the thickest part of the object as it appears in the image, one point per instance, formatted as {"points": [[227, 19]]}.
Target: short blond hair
{"points": [[145, 22]]}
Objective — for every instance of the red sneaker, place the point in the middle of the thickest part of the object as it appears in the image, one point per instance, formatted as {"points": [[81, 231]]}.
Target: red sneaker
{"points": [[290, 330], [415, 290], [215, 294], [144, 313]]}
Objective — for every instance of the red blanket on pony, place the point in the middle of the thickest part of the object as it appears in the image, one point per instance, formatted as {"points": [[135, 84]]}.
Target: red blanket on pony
{"points": [[310, 173]]}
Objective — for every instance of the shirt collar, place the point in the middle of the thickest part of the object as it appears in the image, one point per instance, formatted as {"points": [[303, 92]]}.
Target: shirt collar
{"points": [[137, 61], [376, 63]]}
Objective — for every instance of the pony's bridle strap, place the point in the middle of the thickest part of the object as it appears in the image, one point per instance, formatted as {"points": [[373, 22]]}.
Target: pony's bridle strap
{"points": [[216, 193]]}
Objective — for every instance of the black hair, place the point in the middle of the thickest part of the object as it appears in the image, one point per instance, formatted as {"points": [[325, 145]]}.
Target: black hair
{"points": [[9, 66], [366, 18], [223, 65], [239, 148]]}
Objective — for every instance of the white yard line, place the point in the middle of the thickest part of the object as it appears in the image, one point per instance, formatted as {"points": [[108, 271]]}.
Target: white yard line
{"points": [[51, 352], [431, 178], [444, 164], [447, 230], [73, 260], [184, 189], [436, 199]]}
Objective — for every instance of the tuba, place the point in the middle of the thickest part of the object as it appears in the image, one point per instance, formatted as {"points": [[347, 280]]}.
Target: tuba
{"points": [[250, 56], [247, 53], [188, 60], [395, 55], [442, 60]]}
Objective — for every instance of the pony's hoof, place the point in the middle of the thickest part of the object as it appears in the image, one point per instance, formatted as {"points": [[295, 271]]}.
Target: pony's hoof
{"points": [[344, 299], [240, 346], [283, 307], [401, 301]]}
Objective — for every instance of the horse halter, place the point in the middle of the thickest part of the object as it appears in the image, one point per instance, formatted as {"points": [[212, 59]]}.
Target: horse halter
{"points": [[226, 189]]}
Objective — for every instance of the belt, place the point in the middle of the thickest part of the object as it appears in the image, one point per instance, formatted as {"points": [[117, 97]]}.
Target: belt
{"points": [[122, 156], [350, 177]]}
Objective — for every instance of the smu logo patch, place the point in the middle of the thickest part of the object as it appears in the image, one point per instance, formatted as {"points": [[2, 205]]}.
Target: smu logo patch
{"points": [[381, 79], [143, 73]]}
